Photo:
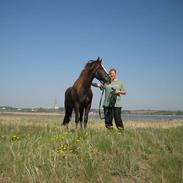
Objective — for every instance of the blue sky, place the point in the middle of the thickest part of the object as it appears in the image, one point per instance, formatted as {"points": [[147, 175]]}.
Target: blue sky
{"points": [[44, 45]]}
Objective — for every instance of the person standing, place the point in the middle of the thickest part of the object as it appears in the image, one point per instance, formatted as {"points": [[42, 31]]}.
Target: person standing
{"points": [[112, 102]]}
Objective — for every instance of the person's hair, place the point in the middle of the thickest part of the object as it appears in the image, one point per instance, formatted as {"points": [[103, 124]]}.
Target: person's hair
{"points": [[113, 70]]}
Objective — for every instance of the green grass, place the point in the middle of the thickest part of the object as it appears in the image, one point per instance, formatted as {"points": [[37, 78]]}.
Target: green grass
{"points": [[38, 149]]}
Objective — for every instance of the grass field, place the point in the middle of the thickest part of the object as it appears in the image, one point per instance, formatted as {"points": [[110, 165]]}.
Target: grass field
{"points": [[36, 149]]}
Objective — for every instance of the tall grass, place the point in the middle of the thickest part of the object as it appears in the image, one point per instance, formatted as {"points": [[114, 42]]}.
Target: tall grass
{"points": [[38, 149]]}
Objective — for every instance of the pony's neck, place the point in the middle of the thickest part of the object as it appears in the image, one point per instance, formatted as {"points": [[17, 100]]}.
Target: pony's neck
{"points": [[85, 79]]}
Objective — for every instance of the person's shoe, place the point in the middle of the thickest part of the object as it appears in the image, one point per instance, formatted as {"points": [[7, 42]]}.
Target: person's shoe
{"points": [[109, 127], [120, 129]]}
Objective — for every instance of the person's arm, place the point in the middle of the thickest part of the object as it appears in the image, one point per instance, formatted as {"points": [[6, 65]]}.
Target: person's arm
{"points": [[122, 90]]}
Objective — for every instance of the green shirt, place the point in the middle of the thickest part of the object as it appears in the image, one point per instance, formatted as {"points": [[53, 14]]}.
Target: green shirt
{"points": [[117, 85]]}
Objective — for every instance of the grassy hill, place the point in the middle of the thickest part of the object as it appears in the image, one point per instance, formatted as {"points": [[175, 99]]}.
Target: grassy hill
{"points": [[38, 149]]}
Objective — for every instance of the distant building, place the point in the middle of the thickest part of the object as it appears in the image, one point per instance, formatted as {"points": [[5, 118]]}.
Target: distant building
{"points": [[56, 104], [56, 107]]}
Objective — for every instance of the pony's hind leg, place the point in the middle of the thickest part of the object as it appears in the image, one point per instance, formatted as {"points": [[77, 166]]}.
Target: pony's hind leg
{"points": [[87, 109], [76, 109], [81, 110], [66, 122]]}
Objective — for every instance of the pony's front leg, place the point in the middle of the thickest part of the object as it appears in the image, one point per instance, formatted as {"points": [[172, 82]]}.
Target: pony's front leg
{"points": [[87, 110], [76, 109]]}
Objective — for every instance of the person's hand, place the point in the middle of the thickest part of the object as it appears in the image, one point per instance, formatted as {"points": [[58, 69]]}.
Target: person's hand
{"points": [[117, 92], [99, 85], [120, 92]]}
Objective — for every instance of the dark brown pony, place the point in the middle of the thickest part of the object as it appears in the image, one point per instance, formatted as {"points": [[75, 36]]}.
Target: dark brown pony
{"points": [[79, 96]]}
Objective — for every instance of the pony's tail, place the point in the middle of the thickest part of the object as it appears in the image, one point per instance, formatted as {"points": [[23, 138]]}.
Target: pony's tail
{"points": [[68, 114], [68, 106]]}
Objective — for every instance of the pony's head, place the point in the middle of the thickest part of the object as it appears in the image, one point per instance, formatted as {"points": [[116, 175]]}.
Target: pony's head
{"points": [[98, 70]]}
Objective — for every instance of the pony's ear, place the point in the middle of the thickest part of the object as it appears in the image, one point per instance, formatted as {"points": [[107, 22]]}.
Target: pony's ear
{"points": [[99, 60]]}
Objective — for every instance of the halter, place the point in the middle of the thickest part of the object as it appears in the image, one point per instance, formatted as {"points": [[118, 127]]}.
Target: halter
{"points": [[96, 73], [105, 69]]}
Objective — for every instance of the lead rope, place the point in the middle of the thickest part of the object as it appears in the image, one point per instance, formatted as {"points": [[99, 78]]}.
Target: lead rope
{"points": [[100, 114]]}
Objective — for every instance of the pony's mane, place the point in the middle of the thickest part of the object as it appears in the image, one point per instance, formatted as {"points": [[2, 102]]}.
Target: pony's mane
{"points": [[88, 66], [90, 63]]}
